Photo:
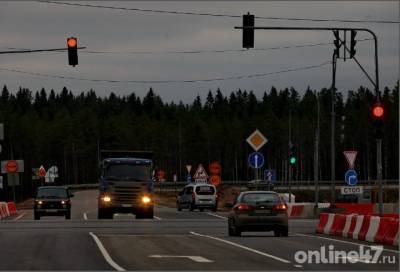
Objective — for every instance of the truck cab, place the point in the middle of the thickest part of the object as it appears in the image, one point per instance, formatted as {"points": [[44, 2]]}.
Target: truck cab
{"points": [[126, 184]]}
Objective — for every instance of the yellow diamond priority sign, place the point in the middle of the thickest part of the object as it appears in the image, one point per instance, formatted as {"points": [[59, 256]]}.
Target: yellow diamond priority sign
{"points": [[256, 140]]}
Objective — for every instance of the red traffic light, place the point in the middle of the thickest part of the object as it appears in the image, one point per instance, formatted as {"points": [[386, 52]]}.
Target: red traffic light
{"points": [[378, 111], [72, 42]]}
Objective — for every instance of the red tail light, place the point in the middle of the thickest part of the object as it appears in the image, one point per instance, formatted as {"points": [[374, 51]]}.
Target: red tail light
{"points": [[280, 207], [244, 207]]}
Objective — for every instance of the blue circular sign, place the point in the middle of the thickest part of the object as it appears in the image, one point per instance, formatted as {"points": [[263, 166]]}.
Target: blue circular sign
{"points": [[256, 160], [351, 177]]}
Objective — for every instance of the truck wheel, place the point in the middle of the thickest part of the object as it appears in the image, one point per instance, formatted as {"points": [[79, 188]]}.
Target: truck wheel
{"points": [[146, 214], [36, 216], [104, 214]]}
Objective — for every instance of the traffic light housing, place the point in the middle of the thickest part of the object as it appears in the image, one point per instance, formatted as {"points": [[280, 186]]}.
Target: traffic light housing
{"points": [[292, 154], [378, 112], [72, 44], [353, 43], [248, 33], [337, 43]]}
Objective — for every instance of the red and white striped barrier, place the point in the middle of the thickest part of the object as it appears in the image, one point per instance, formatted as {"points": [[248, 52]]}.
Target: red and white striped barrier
{"points": [[4, 210], [384, 230], [12, 209]]}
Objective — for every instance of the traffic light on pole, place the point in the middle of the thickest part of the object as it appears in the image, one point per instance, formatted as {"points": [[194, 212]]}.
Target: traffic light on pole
{"points": [[353, 43], [378, 112], [248, 33], [337, 43], [292, 154], [72, 44]]}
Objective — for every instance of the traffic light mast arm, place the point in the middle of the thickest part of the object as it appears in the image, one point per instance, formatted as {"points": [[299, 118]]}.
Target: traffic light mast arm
{"points": [[376, 83], [37, 50]]}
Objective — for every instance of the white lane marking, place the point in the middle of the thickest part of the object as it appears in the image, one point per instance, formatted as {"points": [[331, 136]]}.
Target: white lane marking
{"points": [[198, 259], [158, 218], [343, 241], [241, 246], [84, 216], [19, 217], [298, 265], [219, 216], [106, 256]]}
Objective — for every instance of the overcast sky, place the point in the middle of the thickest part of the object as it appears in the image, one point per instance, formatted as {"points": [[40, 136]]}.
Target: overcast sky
{"points": [[37, 25]]}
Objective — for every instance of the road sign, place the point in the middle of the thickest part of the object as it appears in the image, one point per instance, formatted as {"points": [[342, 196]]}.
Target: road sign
{"points": [[256, 160], [350, 157], [215, 180], [41, 172], [351, 190], [1, 182], [52, 174], [12, 166], [256, 140], [270, 175], [200, 174], [189, 168], [215, 168], [351, 177], [175, 178]]}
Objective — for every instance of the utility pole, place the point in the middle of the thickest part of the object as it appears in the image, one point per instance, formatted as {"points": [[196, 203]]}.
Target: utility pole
{"points": [[333, 117]]}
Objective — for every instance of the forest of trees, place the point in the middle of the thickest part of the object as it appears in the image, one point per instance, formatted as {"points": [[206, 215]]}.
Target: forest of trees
{"points": [[49, 128]]}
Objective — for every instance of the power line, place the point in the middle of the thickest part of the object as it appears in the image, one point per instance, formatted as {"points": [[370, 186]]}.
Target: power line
{"points": [[170, 81], [175, 12]]}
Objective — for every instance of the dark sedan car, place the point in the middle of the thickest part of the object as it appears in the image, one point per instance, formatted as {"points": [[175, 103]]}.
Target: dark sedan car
{"points": [[258, 211], [52, 200]]}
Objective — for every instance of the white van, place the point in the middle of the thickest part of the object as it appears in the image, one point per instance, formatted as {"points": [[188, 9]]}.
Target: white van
{"points": [[197, 196]]}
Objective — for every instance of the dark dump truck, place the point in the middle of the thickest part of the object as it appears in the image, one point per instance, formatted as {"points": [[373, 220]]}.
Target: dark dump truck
{"points": [[126, 183]]}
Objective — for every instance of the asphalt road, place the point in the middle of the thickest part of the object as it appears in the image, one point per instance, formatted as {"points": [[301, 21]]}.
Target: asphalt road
{"points": [[171, 241]]}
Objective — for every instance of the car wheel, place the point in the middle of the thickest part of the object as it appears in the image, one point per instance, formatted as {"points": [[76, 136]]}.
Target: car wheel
{"points": [[68, 215], [36, 216], [192, 207], [214, 209], [201, 209], [233, 230], [285, 232], [178, 207]]}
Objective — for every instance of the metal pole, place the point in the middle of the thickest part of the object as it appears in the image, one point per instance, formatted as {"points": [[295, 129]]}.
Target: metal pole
{"points": [[379, 173], [316, 158], [289, 166], [333, 89]]}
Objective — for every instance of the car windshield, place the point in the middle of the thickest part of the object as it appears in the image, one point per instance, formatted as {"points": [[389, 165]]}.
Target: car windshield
{"points": [[131, 172], [205, 190], [52, 193], [258, 198]]}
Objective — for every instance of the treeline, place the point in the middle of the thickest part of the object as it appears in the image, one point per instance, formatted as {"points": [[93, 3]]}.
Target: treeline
{"points": [[63, 129]]}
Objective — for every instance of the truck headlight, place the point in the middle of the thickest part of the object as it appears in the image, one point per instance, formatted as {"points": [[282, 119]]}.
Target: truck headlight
{"points": [[106, 199], [146, 199]]}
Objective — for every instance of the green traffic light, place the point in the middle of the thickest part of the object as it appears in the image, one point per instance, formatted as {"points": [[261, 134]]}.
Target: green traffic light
{"points": [[292, 160]]}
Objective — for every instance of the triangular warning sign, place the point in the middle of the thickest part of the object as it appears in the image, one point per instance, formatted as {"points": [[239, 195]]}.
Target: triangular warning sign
{"points": [[201, 173], [350, 157]]}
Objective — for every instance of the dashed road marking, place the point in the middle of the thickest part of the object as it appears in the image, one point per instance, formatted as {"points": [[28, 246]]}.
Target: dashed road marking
{"points": [[198, 259], [219, 216], [85, 216], [106, 256], [157, 218], [243, 247]]}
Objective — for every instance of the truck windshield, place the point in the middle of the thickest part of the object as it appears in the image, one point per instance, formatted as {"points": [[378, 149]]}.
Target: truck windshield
{"points": [[52, 193], [131, 172]]}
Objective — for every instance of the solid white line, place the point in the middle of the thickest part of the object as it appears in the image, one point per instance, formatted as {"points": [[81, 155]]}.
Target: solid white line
{"points": [[298, 265], [19, 217], [158, 218], [106, 256], [198, 259], [216, 215], [343, 241], [243, 247], [85, 216]]}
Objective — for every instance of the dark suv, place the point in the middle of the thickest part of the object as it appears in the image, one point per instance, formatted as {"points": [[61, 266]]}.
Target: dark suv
{"points": [[52, 200]]}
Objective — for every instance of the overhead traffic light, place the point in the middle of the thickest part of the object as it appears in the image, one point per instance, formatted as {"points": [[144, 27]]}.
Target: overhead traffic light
{"points": [[248, 33], [292, 154], [378, 113], [337, 43], [353, 43], [72, 44]]}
